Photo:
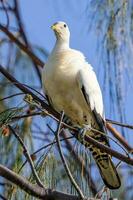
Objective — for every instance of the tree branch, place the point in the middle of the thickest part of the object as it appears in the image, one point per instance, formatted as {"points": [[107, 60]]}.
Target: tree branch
{"points": [[22, 32], [77, 188], [117, 135], [22, 46], [56, 116], [119, 124], [87, 139], [13, 95], [27, 155], [80, 160], [44, 147], [27, 91], [34, 190]]}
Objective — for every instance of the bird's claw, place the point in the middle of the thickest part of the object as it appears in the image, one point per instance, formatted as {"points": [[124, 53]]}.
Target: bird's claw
{"points": [[87, 127], [82, 132]]}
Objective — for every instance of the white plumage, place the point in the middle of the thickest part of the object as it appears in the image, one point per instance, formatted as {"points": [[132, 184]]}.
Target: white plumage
{"points": [[71, 86]]}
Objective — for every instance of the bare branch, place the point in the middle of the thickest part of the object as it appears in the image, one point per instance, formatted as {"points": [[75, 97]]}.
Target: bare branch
{"points": [[26, 90], [34, 190], [117, 135], [6, 12], [44, 147], [27, 155], [64, 160], [97, 131], [19, 21], [119, 124], [22, 31], [79, 160], [21, 46], [25, 116], [87, 139], [13, 95]]}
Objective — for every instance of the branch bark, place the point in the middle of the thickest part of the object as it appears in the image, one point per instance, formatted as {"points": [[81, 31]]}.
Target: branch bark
{"points": [[106, 149], [21, 46], [22, 32], [27, 91], [34, 190], [27, 155], [119, 137], [76, 186], [91, 183], [119, 124]]}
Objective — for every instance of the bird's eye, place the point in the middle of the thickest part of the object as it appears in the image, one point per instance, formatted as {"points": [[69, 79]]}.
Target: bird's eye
{"points": [[65, 25]]}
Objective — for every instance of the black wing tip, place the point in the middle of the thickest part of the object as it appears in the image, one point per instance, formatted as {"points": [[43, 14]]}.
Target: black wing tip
{"points": [[100, 121]]}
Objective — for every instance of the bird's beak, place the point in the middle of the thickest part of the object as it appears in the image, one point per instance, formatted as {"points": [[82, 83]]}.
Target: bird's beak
{"points": [[53, 27]]}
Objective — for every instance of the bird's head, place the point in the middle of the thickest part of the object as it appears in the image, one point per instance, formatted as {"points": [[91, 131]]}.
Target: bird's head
{"points": [[61, 31]]}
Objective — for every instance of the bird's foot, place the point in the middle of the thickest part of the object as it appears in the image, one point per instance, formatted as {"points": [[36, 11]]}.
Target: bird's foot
{"points": [[82, 133], [87, 127]]}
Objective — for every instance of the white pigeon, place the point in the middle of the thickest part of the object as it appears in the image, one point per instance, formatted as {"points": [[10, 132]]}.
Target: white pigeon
{"points": [[71, 86]]}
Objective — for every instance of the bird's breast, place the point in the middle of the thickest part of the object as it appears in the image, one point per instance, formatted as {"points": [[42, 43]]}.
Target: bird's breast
{"points": [[60, 80]]}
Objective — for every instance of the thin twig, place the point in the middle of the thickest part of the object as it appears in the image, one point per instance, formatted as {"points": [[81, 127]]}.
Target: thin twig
{"points": [[13, 95], [27, 91], [22, 46], [27, 155], [9, 9], [100, 193], [30, 87], [6, 13], [119, 124], [102, 133], [25, 116], [117, 135], [44, 147], [80, 161], [19, 21], [64, 161], [22, 31], [105, 148]]}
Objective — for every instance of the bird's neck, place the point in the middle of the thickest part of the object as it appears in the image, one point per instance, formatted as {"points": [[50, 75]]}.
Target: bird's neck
{"points": [[61, 45]]}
